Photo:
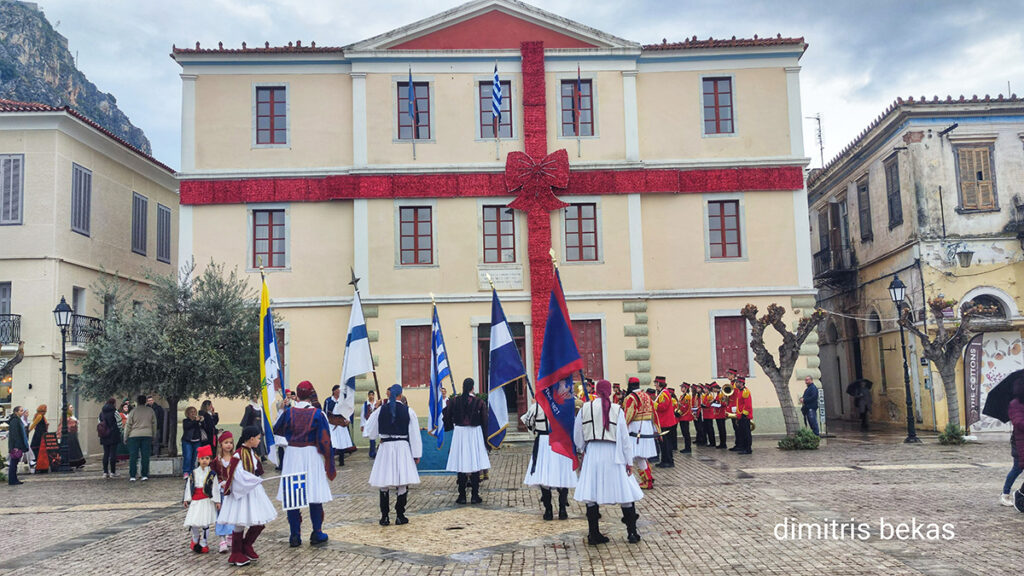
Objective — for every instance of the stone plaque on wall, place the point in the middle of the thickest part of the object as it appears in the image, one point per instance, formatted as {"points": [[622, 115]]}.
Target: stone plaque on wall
{"points": [[503, 278]]}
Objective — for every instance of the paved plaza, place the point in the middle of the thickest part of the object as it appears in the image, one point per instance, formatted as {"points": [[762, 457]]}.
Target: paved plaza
{"points": [[716, 512]]}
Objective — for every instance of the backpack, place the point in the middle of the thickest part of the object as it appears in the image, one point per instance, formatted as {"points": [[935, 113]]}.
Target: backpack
{"points": [[101, 429]]}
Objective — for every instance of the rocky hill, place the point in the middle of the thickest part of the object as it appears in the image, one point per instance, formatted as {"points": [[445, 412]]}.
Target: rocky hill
{"points": [[36, 66]]}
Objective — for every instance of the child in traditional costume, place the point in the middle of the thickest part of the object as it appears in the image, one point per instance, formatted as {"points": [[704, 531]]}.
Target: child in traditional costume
{"points": [[220, 464], [245, 502], [202, 499]]}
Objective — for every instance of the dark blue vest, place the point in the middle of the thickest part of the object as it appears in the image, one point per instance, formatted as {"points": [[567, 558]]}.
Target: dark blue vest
{"points": [[397, 425]]}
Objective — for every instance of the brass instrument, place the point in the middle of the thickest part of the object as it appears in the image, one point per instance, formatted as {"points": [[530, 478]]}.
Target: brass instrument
{"points": [[753, 426], [728, 390]]}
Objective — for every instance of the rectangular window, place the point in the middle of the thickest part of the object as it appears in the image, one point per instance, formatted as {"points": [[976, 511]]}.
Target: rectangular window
{"points": [[78, 300], [140, 207], [881, 365], [487, 113], [421, 111], [268, 239], [108, 305], [415, 356], [731, 345], [163, 233], [499, 236], [11, 188], [5, 300], [824, 229], [81, 199], [976, 178], [724, 229], [271, 115], [718, 105], [892, 193], [864, 206], [577, 108], [416, 235], [581, 233], [588, 339]]}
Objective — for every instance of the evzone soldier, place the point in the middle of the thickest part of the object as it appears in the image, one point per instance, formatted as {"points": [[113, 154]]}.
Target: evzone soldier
{"points": [[639, 411], [665, 411], [341, 438], [686, 411], [467, 413], [395, 426], [707, 413], [700, 433], [606, 473], [309, 451], [547, 469], [718, 406], [742, 409]]}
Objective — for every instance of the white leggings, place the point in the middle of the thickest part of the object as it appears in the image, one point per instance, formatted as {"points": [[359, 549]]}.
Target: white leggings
{"points": [[199, 535]]}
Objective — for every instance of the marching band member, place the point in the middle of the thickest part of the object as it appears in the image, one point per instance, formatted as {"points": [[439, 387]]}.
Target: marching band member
{"points": [[707, 414], [547, 469], [718, 406], [640, 418], [341, 438], [744, 410], [468, 456], [686, 410], [731, 374], [617, 394], [398, 430], [700, 432], [665, 408], [245, 503], [606, 473], [309, 450]]}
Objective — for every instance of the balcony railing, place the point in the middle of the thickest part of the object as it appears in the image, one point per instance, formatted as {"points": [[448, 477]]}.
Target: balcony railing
{"points": [[84, 329], [831, 262], [10, 328]]}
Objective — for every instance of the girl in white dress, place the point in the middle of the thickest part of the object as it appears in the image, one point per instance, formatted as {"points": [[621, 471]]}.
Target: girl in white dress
{"points": [[246, 503], [202, 500]]}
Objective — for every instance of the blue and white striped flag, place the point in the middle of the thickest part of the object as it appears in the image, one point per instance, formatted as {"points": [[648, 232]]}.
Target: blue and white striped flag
{"points": [[439, 370], [505, 366], [412, 105], [496, 102], [294, 491], [357, 361]]}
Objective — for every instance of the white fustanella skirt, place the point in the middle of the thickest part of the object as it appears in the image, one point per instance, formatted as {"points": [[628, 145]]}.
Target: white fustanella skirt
{"points": [[468, 453], [602, 480], [552, 471]]}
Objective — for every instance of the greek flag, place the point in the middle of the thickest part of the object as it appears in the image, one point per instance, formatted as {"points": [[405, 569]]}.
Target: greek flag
{"points": [[439, 370], [294, 491], [412, 105], [357, 361], [496, 101], [504, 366]]}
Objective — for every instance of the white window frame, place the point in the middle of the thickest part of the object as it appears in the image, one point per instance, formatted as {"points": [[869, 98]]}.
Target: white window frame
{"points": [[741, 214], [518, 222], [16, 191], [712, 314], [515, 108], [592, 76], [421, 203], [700, 105], [596, 201], [87, 231], [250, 248], [287, 111], [432, 115]]}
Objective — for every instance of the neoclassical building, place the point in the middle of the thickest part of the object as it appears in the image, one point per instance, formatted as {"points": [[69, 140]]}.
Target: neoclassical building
{"points": [[678, 192]]}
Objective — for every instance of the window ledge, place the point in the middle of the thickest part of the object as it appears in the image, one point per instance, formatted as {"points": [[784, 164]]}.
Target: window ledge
{"points": [[580, 262], [134, 251], [560, 137], [711, 260], [719, 135], [413, 266], [976, 211], [265, 146], [894, 225], [418, 141], [252, 270], [490, 140], [867, 238]]}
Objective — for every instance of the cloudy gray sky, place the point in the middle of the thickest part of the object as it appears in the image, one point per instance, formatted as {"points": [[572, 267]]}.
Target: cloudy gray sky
{"points": [[862, 54]]}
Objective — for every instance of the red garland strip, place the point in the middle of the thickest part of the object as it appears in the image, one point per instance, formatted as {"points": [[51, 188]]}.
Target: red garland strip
{"points": [[469, 185]]}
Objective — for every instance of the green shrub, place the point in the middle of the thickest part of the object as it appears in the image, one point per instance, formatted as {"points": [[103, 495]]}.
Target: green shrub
{"points": [[804, 439], [952, 435]]}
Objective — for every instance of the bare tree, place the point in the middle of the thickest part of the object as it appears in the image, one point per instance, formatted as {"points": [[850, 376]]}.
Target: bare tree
{"points": [[789, 352], [945, 349]]}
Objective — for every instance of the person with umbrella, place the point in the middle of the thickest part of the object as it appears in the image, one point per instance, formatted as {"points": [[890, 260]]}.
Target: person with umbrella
{"points": [[860, 391]]}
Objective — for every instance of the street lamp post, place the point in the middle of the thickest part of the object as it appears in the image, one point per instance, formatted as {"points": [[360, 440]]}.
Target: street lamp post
{"points": [[898, 291], [62, 315]]}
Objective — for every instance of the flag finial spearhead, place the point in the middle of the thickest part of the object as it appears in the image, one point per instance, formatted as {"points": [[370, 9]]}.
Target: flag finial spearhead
{"points": [[554, 260], [490, 280], [432, 301], [354, 283]]}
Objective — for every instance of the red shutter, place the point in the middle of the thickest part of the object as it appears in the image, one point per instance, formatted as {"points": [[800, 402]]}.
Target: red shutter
{"points": [[588, 339], [731, 344], [415, 356]]}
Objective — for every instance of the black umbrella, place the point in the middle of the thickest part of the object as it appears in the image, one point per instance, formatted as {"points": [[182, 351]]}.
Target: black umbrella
{"points": [[853, 387], [997, 404]]}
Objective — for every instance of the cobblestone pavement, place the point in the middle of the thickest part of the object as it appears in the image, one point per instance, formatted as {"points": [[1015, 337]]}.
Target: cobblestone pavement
{"points": [[716, 512]]}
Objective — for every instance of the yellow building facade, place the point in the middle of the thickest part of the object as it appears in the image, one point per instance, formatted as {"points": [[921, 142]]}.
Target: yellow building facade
{"points": [[684, 198], [929, 192], [79, 206]]}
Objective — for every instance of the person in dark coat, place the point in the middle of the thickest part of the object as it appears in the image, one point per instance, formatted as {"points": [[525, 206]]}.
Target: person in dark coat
{"points": [[253, 416], [109, 441], [191, 438], [1016, 412], [160, 414], [17, 439], [809, 405], [209, 417]]}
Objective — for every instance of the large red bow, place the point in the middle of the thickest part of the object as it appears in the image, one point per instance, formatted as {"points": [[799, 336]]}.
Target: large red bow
{"points": [[534, 180]]}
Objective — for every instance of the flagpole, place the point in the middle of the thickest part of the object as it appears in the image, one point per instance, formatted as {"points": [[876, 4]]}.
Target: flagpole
{"points": [[497, 120], [376, 385], [579, 112], [415, 122]]}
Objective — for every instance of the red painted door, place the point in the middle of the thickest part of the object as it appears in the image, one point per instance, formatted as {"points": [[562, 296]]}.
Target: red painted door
{"points": [[731, 344], [415, 356], [588, 340]]}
